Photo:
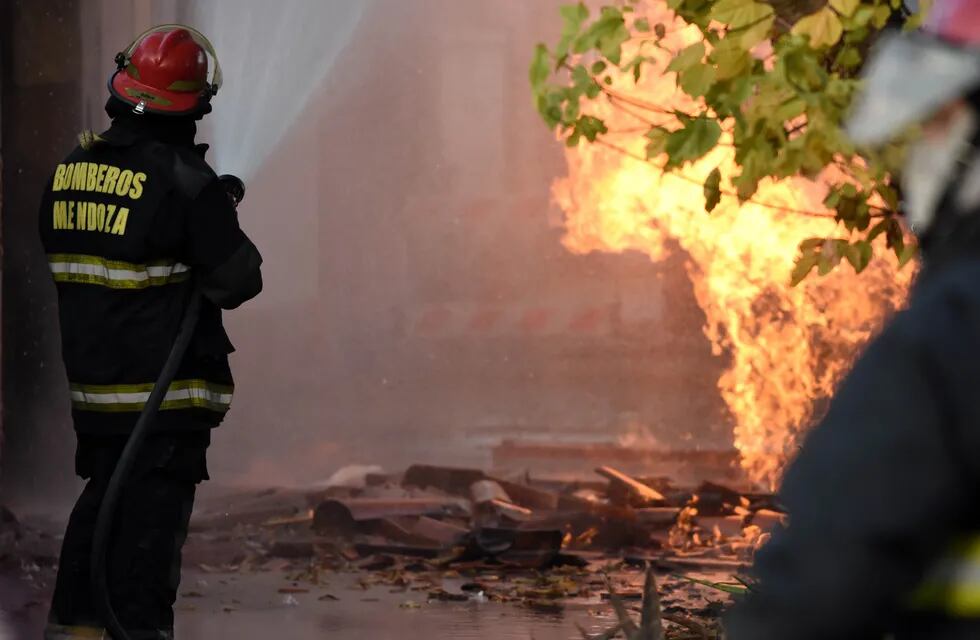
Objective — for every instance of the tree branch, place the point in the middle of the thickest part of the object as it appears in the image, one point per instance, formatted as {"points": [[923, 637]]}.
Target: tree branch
{"points": [[726, 192]]}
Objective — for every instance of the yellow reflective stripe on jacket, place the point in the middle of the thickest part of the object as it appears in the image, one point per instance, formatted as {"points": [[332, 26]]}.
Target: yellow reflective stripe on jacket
{"points": [[182, 394], [953, 585], [63, 632], [84, 269]]}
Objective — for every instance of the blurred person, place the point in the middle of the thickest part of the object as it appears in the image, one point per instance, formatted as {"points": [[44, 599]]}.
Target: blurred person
{"points": [[132, 221], [884, 496]]}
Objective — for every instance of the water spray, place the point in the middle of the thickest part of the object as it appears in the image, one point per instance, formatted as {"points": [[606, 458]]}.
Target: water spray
{"points": [[275, 57]]}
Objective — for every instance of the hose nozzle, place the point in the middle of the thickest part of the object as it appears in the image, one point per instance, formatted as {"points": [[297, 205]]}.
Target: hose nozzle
{"points": [[234, 187]]}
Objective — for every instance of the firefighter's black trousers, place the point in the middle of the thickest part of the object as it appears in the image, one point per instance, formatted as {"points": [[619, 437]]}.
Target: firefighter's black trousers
{"points": [[148, 532]]}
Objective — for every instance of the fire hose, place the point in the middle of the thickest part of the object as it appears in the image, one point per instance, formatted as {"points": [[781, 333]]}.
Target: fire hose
{"points": [[144, 426]]}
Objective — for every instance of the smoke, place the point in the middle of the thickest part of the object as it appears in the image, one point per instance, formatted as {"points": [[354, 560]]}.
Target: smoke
{"points": [[273, 56]]}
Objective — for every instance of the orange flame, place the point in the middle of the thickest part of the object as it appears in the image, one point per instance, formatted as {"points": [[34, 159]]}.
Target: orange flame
{"points": [[788, 346]]}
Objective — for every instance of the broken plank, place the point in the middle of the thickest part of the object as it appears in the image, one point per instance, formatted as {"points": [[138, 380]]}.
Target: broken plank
{"points": [[635, 493]]}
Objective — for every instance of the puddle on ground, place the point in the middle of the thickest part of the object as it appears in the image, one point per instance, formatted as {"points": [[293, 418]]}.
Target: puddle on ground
{"points": [[250, 607]]}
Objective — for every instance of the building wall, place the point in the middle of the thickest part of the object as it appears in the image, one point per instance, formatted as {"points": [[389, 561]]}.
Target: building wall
{"points": [[449, 309], [41, 50]]}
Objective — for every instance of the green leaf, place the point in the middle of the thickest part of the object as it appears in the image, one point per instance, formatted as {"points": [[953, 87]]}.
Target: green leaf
{"points": [[590, 127], [712, 190], [748, 21], [697, 138], [540, 67], [804, 265], [598, 67], [549, 102], [731, 59], [889, 195], [853, 255], [905, 256], [687, 58], [879, 229], [732, 588], [754, 33], [802, 70], [581, 78], [916, 20], [847, 208], [895, 237], [593, 90], [572, 109], [860, 18], [845, 7], [642, 25], [824, 28], [790, 110], [849, 58], [827, 261], [859, 255], [607, 34], [573, 16], [658, 142], [697, 80]]}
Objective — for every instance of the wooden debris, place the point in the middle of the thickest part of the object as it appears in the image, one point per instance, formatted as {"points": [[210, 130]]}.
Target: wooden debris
{"points": [[251, 508], [721, 527], [657, 517], [509, 537], [483, 491], [767, 520], [343, 516], [293, 548], [712, 499], [449, 479], [529, 497], [439, 532], [627, 491]]}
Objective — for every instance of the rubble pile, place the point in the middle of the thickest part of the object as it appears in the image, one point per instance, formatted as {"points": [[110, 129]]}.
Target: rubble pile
{"points": [[453, 534]]}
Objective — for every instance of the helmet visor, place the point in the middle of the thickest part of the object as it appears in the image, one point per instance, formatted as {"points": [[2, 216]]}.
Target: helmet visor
{"points": [[909, 78]]}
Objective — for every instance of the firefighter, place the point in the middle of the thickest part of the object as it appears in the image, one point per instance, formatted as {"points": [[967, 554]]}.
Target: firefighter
{"points": [[132, 221], [884, 496]]}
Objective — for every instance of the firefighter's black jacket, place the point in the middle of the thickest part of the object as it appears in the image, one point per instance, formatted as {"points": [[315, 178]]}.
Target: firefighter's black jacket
{"points": [[129, 221], [885, 485]]}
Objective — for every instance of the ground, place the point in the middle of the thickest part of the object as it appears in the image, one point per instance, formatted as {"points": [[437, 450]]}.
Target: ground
{"points": [[437, 552]]}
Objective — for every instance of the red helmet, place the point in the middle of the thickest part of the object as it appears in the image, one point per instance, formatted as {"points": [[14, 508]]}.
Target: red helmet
{"points": [[913, 75], [165, 71]]}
